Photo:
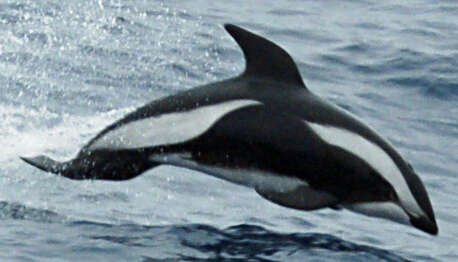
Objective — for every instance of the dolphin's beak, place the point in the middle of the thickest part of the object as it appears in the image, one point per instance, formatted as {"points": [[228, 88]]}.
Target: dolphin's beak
{"points": [[425, 224]]}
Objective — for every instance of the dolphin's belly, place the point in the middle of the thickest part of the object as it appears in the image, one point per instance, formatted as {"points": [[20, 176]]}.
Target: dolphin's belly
{"points": [[283, 190], [249, 177]]}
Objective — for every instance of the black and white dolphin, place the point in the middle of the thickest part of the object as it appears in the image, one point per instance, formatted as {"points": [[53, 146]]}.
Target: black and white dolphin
{"points": [[263, 129]]}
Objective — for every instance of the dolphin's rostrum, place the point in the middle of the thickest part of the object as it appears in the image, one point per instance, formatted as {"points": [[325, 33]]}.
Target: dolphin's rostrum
{"points": [[263, 129]]}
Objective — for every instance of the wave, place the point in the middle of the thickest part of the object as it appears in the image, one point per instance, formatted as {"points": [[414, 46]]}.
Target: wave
{"points": [[18, 211], [244, 242], [201, 242]]}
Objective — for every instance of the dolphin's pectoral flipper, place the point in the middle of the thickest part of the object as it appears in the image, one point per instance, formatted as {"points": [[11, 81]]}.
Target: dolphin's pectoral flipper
{"points": [[46, 164], [303, 198]]}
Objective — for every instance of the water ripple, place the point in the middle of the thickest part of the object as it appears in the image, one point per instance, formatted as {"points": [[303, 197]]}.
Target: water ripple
{"points": [[241, 242], [20, 212]]}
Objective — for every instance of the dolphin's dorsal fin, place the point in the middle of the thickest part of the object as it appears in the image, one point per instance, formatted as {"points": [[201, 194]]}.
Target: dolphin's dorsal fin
{"points": [[264, 58]]}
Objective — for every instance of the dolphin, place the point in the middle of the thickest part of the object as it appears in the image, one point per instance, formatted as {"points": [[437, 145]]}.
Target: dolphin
{"points": [[266, 130]]}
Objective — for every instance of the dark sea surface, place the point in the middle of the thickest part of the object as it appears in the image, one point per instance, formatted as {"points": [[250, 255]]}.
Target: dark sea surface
{"points": [[69, 68]]}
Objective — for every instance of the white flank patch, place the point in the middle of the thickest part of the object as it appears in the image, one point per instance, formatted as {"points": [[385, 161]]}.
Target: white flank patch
{"points": [[169, 128], [246, 177], [375, 156], [387, 210]]}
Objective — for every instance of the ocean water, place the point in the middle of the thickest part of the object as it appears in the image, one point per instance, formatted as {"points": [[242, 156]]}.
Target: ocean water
{"points": [[69, 68]]}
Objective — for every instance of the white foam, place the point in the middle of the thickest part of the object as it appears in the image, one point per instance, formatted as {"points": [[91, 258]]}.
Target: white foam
{"points": [[22, 135]]}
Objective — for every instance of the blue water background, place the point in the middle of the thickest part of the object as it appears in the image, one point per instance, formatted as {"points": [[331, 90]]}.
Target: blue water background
{"points": [[69, 68]]}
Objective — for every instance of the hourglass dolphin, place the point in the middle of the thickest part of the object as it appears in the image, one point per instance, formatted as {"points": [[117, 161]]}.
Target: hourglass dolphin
{"points": [[263, 129]]}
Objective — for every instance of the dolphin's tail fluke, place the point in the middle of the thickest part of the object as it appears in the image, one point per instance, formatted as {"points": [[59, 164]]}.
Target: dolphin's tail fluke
{"points": [[114, 166], [46, 164]]}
